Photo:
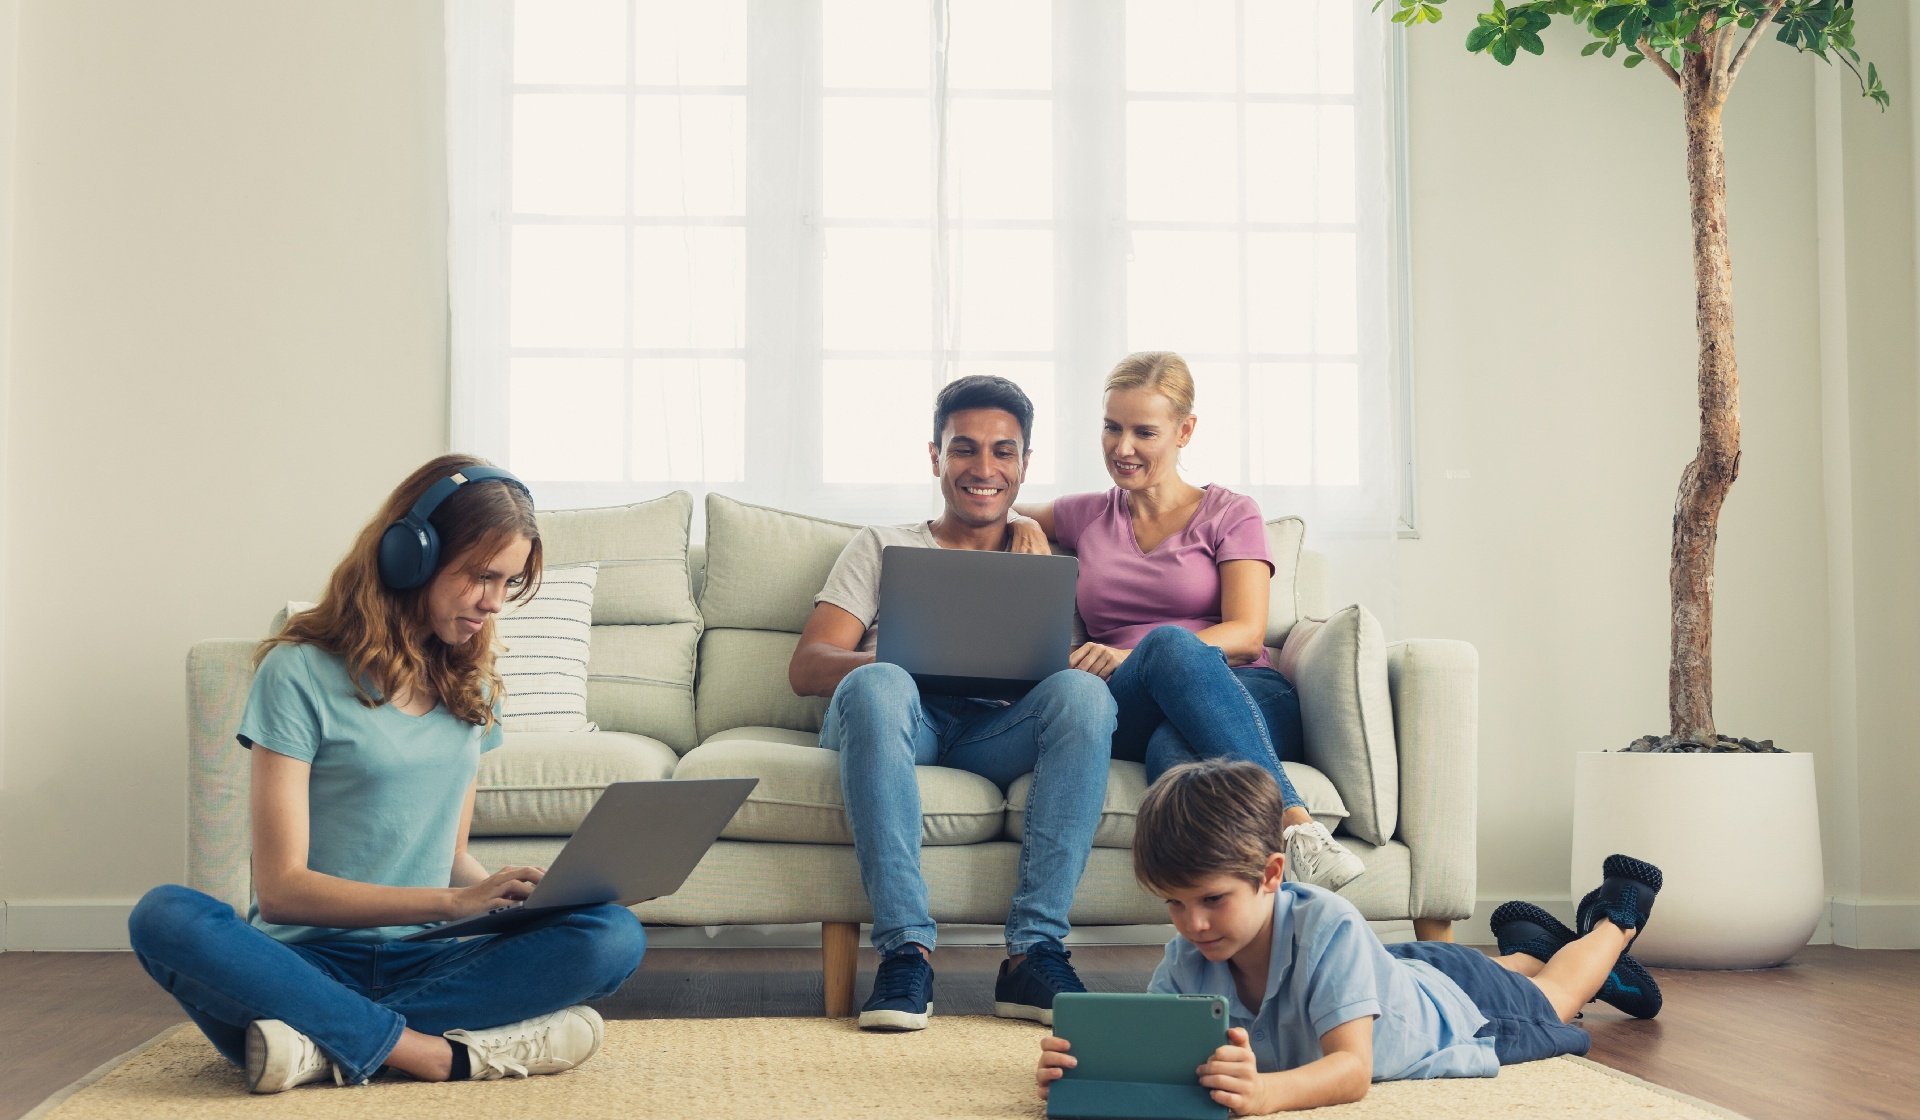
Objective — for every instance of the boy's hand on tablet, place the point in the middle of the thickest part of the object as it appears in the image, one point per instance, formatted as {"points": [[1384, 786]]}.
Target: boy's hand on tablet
{"points": [[1233, 1076], [1054, 1062]]}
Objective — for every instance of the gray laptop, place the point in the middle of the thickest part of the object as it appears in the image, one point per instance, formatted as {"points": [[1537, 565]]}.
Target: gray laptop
{"points": [[971, 623], [639, 841]]}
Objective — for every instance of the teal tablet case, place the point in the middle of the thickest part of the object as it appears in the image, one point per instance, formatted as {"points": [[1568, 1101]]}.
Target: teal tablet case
{"points": [[1136, 1056]]}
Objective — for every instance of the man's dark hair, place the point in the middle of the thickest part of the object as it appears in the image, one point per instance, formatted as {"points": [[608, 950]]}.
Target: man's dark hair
{"points": [[981, 390]]}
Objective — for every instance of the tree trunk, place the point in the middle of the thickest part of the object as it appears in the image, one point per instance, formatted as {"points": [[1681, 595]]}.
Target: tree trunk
{"points": [[1716, 463]]}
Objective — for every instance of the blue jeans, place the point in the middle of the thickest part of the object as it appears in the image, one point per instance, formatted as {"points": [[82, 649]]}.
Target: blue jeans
{"points": [[353, 998], [1179, 701], [883, 728]]}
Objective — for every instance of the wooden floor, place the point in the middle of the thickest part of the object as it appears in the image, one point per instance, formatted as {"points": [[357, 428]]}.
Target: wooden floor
{"points": [[1834, 1035]]}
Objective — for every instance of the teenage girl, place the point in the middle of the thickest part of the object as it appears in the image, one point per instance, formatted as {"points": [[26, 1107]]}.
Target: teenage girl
{"points": [[366, 722]]}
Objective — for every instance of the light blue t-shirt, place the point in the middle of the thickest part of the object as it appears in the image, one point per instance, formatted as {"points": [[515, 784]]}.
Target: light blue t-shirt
{"points": [[386, 790], [1328, 968]]}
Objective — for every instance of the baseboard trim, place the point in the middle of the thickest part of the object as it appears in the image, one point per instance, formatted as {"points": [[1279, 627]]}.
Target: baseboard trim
{"points": [[1475, 931], [1876, 925], [1851, 924], [63, 926], [90, 926]]}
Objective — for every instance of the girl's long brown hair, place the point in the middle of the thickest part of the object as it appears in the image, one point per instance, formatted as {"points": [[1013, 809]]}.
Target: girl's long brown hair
{"points": [[384, 635]]}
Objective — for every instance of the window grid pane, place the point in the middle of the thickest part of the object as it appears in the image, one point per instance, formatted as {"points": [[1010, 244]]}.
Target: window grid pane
{"points": [[629, 250]]}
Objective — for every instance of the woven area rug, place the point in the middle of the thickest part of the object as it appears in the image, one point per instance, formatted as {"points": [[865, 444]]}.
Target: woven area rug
{"points": [[791, 1069]]}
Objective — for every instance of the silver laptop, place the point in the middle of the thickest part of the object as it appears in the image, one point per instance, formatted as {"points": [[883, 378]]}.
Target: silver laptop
{"points": [[639, 841], [971, 623]]}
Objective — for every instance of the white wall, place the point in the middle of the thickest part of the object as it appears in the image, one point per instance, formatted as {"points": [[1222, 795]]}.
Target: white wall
{"points": [[230, 338], [230, 322]]}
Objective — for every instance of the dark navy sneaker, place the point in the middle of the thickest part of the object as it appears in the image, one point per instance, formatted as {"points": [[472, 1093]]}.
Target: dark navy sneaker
{"points": [[1522, 927], [1624, 896], [902, 996], [1026, 990], [1630, 988]]}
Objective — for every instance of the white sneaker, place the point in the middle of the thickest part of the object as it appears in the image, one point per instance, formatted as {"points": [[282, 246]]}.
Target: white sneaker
{"points": [[1313, 856], [551, 1043], [279, 1057]]}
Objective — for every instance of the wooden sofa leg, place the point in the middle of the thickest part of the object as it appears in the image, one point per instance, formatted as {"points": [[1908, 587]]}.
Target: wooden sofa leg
{"points": [[839, 959], [1433, 929]]}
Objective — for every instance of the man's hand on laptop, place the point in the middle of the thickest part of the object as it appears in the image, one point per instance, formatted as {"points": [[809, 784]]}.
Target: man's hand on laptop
{"points": [[508, 886], [1097, 659]]}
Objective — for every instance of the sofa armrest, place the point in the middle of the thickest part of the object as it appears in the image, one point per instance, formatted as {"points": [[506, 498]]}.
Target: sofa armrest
{"points": [[1435, 685], [219, 840]]}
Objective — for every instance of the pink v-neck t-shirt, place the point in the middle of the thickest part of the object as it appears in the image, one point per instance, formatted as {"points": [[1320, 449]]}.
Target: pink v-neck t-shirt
{"points": [[1123, 592]]}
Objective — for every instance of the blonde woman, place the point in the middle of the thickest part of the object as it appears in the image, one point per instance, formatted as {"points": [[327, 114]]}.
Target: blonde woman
{"points": [[365, 726], [1173, 591]]}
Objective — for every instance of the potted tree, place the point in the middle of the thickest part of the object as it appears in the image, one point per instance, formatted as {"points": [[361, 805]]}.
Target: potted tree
{"points": [[1731, 821]]}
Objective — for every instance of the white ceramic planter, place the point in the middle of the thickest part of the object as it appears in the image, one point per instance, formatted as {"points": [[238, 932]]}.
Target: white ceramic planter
{"points": [[1737, 840]]}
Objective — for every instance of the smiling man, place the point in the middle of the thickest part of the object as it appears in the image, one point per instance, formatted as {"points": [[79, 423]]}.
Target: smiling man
{"points": [[883, 728]]}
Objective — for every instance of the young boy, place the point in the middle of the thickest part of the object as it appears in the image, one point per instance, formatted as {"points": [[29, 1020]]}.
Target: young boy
{"points": [[1318, 1008]]}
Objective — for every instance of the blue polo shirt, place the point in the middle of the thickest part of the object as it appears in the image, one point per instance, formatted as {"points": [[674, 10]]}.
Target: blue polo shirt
{"points": [[1328, 968], [386, 788]]}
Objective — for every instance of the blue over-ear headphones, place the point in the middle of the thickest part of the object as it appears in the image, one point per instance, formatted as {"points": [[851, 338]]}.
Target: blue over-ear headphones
{"points": [[410, 548]]}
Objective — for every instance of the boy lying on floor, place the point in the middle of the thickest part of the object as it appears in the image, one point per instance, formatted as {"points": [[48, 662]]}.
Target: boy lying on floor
{"points": [[1318, 1008]]}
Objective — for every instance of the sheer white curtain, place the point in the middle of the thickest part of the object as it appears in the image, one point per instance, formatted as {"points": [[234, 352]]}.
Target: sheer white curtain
{"points": [[738, 245]]}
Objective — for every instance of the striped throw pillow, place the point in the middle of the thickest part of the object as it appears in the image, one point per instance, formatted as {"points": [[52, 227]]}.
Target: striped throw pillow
{"points": [[543, 660]]}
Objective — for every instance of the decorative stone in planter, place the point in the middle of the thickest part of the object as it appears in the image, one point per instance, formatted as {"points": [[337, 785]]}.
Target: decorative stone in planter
{"points": [[1736, 836]]}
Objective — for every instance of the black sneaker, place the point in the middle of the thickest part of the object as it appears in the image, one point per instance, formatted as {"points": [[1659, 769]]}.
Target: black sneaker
{"points": [[1522, 927], [902, 996], [1624, 896], [1026, 990], [1630, 988]]}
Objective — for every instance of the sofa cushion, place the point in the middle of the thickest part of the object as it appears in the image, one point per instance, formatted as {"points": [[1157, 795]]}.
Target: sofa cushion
{"points": [[743, 683], [1284, 535], [543, 655], [798, 799], [1339, 666], [542, 783], [642, 553], [764, 565], [646, 627], [1127, 784]]}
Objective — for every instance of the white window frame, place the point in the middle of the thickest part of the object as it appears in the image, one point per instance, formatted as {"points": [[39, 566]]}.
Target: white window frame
{"points": [[783, 427]]}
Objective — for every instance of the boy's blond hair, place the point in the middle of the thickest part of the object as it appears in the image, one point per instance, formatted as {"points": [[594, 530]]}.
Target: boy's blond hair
{"points": [[1215, 817]]}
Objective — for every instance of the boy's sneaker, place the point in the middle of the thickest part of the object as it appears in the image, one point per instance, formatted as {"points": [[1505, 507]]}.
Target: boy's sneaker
{"points": [[1026, 990], [1314, 856], [279, 1057], [902, 998], [552, 1043], [1630, 988], [1522, 927], [1624, 896]]}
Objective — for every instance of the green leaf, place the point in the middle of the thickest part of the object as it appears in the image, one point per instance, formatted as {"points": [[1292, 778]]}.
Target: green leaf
{"points": [[1610, 19], [1504, 51], [1591, 47], [1635, 59], [1530, 42], [1481, 37], [1609, 49]]}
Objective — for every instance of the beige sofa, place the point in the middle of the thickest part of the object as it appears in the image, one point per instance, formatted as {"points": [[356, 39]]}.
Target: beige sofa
{"points": [[688, 678]]}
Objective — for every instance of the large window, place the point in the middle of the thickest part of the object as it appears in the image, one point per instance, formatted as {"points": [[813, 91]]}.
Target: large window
{"points": [[738, 245]]}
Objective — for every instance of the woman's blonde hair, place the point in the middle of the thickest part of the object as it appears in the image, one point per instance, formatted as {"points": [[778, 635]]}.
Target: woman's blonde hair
{"points": [[383, 634], [1162, 371]]}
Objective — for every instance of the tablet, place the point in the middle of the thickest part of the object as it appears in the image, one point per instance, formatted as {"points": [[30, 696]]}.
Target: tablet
{"points": [[1136, 1055]]}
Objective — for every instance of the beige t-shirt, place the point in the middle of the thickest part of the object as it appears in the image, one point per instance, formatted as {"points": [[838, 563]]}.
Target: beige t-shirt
{"points": [[854, 583]]}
